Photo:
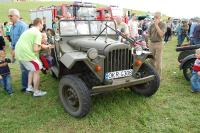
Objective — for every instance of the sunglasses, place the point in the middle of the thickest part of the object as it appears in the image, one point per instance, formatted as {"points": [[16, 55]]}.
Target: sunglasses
{"points": [[10, 16]]}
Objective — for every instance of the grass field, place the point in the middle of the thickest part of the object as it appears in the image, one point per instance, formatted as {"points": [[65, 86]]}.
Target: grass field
{"points": [[173, 109]]}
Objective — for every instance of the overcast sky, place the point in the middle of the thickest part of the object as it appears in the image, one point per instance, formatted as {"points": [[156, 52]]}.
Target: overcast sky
{"points": [[174, 8]]}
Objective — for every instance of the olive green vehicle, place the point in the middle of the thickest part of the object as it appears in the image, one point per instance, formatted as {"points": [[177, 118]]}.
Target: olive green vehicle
{"points": [[88, 61]]}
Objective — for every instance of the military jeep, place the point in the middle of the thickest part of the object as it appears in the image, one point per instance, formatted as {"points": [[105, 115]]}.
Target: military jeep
{"points": [[88, 61]]}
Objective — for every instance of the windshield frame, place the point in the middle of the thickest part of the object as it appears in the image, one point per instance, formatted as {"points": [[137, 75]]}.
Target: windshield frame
{"points": [[89, 25]]}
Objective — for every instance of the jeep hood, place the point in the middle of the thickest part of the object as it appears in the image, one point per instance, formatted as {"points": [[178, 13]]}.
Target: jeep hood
{"points": [[83, 44]]}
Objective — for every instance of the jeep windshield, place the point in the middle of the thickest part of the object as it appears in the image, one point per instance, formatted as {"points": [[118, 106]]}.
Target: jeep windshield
{"points": [[85, 28]]}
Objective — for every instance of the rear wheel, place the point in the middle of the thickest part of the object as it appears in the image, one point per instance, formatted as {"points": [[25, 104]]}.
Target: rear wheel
{"points": [[149, 88], [187, 69], [74, 96]]}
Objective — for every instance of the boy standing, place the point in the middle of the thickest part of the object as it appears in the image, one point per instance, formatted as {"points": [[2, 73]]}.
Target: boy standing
{"points": [[5, 73], [195, 79]]}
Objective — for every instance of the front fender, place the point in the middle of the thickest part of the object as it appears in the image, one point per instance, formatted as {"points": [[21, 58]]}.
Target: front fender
{"points": [[142, 58], [186, 59], [70, 58]]}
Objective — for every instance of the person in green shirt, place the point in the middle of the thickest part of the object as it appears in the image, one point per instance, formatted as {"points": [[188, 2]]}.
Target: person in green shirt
{"points": [[7, 27], [27, 52]]}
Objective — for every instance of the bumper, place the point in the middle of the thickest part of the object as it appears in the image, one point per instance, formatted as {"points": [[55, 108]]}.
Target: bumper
{"points": [[121, 83]]}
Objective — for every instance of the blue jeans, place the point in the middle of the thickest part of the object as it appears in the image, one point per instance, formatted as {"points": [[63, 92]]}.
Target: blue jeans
{"points": [[181, 39], [195, 81], [196, 41], [24, 76], [6, 81]]}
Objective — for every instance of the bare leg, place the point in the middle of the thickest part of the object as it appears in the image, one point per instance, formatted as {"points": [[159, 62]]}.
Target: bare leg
{"points": [[36, 80], [30, 79]]}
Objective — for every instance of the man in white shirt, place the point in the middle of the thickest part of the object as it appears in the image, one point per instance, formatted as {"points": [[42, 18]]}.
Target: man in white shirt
{"points": [[133, 26]]}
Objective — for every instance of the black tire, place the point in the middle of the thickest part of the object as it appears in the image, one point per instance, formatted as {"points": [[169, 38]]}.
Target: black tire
{"points": [[184, 54], [187, 69], [149, 88], [74, 96]]}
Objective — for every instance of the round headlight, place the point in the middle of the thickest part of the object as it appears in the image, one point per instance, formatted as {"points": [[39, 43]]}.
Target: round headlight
{"points": [[92, 53], [138, 50]]}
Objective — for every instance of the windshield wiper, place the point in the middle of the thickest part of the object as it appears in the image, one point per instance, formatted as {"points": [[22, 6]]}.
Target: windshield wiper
{"points": [[100, 33]]}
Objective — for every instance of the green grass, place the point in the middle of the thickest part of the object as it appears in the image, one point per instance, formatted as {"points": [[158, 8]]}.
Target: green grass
{"points": [[172, 109]]}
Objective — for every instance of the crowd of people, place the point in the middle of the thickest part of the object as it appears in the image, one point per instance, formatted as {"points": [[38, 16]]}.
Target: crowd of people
{"points": [[26, 45], [29, 43]]}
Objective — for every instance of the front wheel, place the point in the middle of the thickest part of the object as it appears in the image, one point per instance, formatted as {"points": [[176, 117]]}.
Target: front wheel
{"points": [[187, 69], [74, 96], [149, 88]]}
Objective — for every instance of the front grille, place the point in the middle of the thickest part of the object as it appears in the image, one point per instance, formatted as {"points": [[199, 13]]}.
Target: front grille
{"points": [[118, 59]]}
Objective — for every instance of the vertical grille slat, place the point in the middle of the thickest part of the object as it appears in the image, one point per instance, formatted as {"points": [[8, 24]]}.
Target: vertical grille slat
{"points": [[111, 62], [126, 56], [118, 59]]}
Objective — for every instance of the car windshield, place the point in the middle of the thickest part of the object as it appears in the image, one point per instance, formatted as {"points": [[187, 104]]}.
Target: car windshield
{"points": [[82, 27]]}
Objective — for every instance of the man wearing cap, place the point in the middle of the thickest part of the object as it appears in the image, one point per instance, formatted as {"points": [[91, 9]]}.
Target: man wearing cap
{"points": [[156, 34], [16, 30]]}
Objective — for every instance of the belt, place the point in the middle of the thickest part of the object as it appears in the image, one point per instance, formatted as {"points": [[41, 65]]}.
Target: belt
{"points": [[156, 41]]}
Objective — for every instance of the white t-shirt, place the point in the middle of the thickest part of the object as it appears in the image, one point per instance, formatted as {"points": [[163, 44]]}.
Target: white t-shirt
{"points": [[133, 25]]}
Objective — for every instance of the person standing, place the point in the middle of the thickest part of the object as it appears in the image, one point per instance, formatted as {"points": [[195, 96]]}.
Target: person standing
{"points": [[196, 33], [16, 30], [55, 24], [169, 30], [2, 41], [122, 27], [5, 77], [194, 24], [7, 27], [184, 30], [133, 26], [156, 34], [27, 52], [179, 35], [195, 79]]}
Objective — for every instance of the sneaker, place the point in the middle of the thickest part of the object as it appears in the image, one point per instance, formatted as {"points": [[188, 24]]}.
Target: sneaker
{"points": [[195, 91], [39, 93], [29, 89]]}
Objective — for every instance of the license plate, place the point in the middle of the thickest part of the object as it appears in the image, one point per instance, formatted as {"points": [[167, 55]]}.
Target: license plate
{"points": [[118, 74]]}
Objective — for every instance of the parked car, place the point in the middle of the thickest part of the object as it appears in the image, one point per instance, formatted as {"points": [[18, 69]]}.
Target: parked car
{"points": [[89, 61]]}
